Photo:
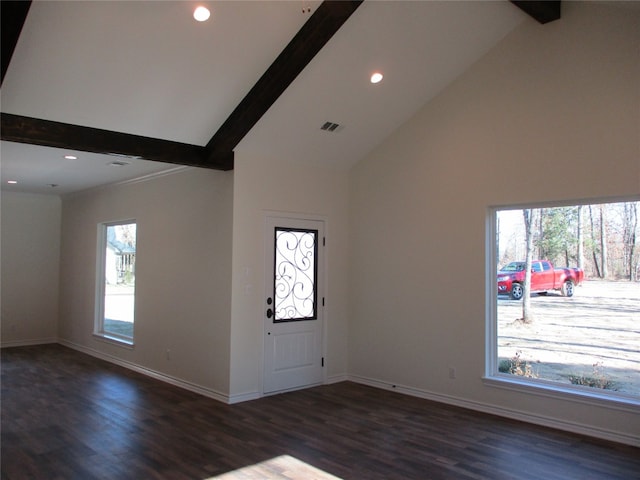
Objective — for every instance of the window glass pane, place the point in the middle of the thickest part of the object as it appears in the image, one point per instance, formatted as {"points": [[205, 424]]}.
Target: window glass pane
{"points": [[575, 323], [295, 274], [119, 280]]}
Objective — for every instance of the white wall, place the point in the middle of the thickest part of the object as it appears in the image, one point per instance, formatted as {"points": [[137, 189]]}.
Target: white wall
{"points": [[551, 113], [262, 185], [30, 247], [183, 274]]}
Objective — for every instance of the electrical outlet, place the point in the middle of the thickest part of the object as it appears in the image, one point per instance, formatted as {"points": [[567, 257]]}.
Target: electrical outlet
{"points": [[452, 373]]}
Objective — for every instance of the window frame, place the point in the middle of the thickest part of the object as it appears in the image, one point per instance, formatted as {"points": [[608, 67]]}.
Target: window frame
{"points": [[98, 327], [536, 386]]}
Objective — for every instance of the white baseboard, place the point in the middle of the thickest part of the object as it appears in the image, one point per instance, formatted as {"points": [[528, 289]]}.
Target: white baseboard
{"points": [[337, 378], [28, 343], [244, 397], [207, 392], [500, 411]]}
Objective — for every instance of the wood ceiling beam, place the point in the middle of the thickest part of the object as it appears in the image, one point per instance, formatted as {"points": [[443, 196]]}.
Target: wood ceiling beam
{"points": [[544, 11], [13, 15], [218, 153], [314, 34], [16, 128]]}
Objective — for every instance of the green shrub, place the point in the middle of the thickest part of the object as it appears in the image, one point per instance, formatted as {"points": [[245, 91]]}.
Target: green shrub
{"points": [[504, 366]]}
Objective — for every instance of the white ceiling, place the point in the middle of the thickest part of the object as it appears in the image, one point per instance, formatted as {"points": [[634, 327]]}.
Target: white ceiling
{"points": [[147, 68]]}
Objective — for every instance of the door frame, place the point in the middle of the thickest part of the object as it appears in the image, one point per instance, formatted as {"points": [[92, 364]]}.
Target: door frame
{"points": [[277, 214]]}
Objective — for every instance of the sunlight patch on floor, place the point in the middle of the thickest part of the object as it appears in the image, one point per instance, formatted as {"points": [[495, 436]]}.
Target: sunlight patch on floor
{"points": [[284, 467]]}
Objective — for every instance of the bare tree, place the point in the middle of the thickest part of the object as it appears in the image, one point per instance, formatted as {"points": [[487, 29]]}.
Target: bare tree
{"points": [[630, 227], [527, 316], [602, 239], [538, 237], [594, 243], [580, 238], [603, 242]]}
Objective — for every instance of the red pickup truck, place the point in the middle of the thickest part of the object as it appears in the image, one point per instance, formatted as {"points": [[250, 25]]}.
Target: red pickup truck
{"points": [[543, 278]]}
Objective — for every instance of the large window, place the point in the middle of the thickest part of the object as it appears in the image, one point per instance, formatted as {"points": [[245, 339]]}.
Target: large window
{"points": [[116, 283], [565, 302]]}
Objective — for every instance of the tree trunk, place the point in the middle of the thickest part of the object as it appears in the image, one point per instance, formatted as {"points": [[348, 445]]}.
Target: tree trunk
{"points": [[593, 242], [631, 241], [541, 252], [527, 315], [603, 243], [498, 259], [580, 238]]}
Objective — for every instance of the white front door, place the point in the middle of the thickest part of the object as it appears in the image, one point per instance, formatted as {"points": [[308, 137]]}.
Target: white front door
{"points": [[293, 306]]}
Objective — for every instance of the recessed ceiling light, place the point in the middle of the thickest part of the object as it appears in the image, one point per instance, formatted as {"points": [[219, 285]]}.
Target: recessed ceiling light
{"points": [[70, 157], [376, 77], [12, 182], [201, 14], [117, 164]]}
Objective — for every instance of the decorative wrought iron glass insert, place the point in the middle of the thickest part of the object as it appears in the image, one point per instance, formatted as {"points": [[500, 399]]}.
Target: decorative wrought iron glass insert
{"points": [[295, 275]]}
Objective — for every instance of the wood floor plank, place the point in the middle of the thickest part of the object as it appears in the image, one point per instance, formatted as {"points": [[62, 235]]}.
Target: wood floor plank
{"points": [[66, 415]]}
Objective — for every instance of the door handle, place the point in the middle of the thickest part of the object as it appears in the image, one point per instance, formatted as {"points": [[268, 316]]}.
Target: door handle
{"points": [[269, 311]]}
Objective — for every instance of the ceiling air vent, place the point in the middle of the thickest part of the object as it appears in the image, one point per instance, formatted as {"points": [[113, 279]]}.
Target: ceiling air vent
{"points": [[331, 127]]}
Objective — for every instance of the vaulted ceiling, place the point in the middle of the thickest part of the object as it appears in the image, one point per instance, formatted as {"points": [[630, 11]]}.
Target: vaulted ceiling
{"points": [[141, 83]]}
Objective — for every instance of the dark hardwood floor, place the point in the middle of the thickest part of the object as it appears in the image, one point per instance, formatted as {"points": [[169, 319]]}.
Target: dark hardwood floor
{"points": [[66, 415]]}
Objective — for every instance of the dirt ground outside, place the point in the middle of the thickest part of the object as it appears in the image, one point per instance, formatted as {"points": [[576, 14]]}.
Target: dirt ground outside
{"points": [[595, 332]]}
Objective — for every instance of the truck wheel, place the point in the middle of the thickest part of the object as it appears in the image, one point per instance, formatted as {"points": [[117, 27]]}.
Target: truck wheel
{"points": [[516, 291], [567, 288]]}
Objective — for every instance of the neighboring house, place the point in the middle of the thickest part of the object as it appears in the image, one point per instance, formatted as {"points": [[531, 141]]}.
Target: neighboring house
{"points": [[120, 258]]}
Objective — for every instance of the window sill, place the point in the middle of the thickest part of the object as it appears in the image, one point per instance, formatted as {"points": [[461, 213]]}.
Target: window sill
{"points": [[615, 401], [121, 342]]}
